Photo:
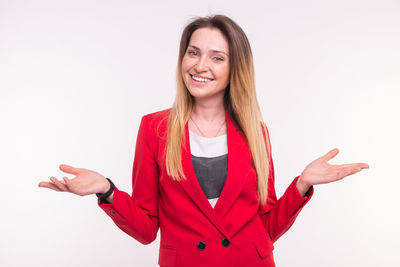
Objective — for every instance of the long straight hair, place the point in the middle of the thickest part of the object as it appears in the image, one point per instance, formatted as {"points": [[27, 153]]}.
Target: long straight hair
{"points": [[240, 101]]}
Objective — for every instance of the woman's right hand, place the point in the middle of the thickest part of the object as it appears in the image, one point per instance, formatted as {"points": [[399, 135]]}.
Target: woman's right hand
{"points": [[84, 183]]}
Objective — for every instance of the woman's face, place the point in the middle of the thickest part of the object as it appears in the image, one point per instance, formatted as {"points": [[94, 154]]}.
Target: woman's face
{"points": [[205, 65]]}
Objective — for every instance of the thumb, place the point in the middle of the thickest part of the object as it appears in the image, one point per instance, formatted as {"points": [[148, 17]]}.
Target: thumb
{"points": [[69, 169], [331, 154]]}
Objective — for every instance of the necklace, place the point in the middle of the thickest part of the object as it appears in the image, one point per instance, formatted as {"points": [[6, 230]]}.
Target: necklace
{"points": [[202, 131]]}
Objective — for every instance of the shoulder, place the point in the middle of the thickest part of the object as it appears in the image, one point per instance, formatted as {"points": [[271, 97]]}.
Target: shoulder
{"points": [[156, 122], [155, 119], [157, 116]]}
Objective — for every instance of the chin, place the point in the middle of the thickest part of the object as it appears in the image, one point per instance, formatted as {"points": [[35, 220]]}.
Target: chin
{"points": [[203, 93], [196, 93]]}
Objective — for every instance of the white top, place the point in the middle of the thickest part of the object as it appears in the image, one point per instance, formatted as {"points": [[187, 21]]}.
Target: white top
{"points": [[210, 161]]}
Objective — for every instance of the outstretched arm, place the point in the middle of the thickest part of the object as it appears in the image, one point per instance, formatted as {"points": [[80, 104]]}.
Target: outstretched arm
{"points": [[279, 215], [136, 214]]}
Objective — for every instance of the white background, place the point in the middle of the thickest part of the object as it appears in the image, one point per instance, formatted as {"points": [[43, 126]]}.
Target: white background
{"points": [[77, 76]]}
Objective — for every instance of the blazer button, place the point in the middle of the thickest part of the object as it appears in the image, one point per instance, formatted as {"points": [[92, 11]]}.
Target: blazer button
{"points": [[225, 242], [112, 212], [201, 245]]}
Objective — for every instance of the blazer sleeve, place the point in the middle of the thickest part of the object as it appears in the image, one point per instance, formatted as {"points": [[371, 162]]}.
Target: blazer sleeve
{"points": [[276, 215], [137, 214]]}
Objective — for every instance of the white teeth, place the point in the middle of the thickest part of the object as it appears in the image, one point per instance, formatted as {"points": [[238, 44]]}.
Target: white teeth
{"points": [[200, 79]]}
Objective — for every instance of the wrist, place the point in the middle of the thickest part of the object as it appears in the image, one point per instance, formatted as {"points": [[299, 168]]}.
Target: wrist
{"points": [[105, 186], [302, 186], [106, 192], [301, 182]]}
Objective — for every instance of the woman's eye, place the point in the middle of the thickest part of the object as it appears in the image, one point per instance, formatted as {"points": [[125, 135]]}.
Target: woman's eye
{"points": [[218, 58], [192, 53]]}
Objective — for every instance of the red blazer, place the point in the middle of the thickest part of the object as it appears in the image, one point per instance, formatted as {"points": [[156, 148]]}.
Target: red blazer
{"points": [[236, 232]]}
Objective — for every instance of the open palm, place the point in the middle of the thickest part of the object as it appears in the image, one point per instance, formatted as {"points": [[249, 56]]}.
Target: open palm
{"points": [[321, 172], [84, 183]]}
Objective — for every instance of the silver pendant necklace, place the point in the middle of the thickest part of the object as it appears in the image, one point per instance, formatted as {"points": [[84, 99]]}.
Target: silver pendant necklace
{"points": [[202, 131]]}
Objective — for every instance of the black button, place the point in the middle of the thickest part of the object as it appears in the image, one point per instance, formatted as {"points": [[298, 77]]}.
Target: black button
{"points": [[201, 245], [225, 242]]}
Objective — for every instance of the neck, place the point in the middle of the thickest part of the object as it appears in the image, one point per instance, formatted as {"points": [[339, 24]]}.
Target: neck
{"points": [[209, 112]]}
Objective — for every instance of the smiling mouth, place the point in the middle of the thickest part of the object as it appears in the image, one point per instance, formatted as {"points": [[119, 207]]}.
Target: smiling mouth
{"points": [[200, 79]]}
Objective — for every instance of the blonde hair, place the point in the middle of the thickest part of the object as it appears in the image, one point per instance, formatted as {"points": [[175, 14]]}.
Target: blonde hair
{"points": [[240, 101]]}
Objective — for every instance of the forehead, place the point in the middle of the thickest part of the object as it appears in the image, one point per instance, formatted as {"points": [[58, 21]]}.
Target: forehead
{"points": [[209, 39]]}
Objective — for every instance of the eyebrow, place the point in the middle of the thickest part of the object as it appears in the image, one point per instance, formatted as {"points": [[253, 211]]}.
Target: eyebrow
{"points": [[215, 51]]}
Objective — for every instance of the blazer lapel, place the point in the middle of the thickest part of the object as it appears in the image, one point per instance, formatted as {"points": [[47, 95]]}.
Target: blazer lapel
{"points": [[192, 186], [239, 163], [238, 167]]}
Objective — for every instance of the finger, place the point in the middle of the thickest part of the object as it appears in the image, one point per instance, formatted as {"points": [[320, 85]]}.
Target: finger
{"points": [[331, 154], [67, 183], [49, 185], [348, 171], [360, 165], [52, 179], [59, 184], [69, 169]]}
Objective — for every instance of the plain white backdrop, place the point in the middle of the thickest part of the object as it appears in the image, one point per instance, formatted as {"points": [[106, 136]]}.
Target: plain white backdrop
{"points": [[77, 76]]}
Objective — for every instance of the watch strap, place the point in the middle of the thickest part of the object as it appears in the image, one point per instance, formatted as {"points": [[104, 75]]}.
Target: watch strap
{"points": [[108, 193]]}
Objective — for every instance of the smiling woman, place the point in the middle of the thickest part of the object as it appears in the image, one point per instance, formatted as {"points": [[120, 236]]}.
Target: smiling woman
{"points": [[203, 172], [205, 66]]}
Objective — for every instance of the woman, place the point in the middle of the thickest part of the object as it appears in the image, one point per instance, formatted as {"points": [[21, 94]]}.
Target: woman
{"points": [[203, 171]]}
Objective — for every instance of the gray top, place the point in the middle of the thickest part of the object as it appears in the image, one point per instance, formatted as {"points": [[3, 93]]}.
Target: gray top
{"points": [[210, 163]]}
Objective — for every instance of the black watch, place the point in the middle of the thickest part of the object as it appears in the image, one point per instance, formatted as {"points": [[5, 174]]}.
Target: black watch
{"points": [[108, 193]]}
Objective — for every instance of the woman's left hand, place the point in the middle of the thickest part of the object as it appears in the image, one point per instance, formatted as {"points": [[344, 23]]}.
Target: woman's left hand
{"points": [[321, 172]]}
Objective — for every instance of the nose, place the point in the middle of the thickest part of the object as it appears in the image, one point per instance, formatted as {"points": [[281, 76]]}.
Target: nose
{"points": [[202, 64]]}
